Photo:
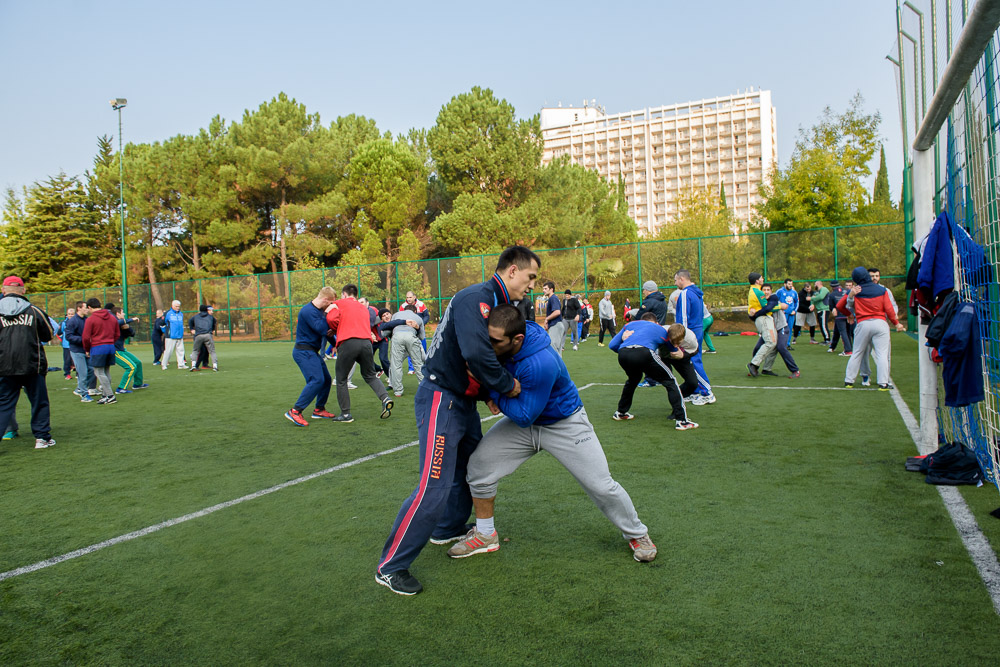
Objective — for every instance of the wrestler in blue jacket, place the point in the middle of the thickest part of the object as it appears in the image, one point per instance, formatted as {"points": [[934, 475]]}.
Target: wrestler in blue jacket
{"points": [[547, 392], [175, 323]]}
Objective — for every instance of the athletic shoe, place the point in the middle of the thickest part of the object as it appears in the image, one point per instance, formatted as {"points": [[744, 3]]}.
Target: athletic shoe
{"points": [[296, 417], [844, 354], [107, 400], [752, 370], [576, 347], [123, 391], [685, 425], [794, 375], [402, 582], [322, 414], [643, 549], [813, 341], [885, 387], [141, 386], [849, 385], [397, 394], [182, 367], [351, 385], [697, 399], [475, 543], [215, 367], [328, 356], [866, 381], [622, 416], [195, 368], [709, 399], [344, 417], [10, 435], [829, 349], [379, 374], [689, 398], [410, 372], [644, 383], [43, 443], [453, 538], [387, 408], [69, 377], [598, 345], [77, 392], [86, 399], [771, 373], [709, 351], [93, 392]]}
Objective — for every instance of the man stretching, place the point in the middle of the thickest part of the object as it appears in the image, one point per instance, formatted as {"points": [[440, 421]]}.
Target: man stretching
{"points": [[549, 415]]}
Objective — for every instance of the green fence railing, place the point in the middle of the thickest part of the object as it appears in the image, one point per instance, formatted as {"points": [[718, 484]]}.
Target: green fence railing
{"points": [[264, 307]]}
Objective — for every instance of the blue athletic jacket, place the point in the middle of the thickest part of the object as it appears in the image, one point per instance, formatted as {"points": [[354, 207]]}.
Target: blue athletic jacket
{"points": [[790, 297], [73, 332], [691, 309], [547, 392], [311, 327], [462, 342], [644, 333], [175, 323]]}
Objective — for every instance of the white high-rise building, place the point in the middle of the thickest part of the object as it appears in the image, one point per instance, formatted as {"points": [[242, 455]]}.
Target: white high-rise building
{"points": [[663, 151]]}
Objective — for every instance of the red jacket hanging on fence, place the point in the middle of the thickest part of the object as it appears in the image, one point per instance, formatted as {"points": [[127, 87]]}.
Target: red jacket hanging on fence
{"points": [[348, 318]]}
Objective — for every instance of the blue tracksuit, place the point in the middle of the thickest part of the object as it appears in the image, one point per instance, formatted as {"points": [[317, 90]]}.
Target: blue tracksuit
{"points": [[644, 333], [175, 323], [448, 424], [310, 331], [691, 313], [547, 393], [791, 298]]}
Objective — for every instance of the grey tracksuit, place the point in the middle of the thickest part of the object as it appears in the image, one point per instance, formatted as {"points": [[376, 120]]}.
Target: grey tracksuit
{"points": [[405, 343]]}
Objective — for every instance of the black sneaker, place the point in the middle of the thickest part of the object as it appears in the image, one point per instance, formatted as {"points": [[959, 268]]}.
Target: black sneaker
{"points": [[402, 582], [771, 373], [345, 417], [387, 408], [885, 387], [752, 370]]}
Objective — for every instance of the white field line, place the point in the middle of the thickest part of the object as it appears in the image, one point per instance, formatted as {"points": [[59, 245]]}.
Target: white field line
{"points": [[741, 386], [55, 560], [982, 554]]}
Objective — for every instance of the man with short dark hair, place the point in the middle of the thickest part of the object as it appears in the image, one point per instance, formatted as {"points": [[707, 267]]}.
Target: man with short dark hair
{"points": [[571, 314], [130, 364], [86, 382], [352, 322], [202, 327], [764, 322], [691, 313], [460, 362], [554, 322], [547, 415], [23, 329], [99, 335]]}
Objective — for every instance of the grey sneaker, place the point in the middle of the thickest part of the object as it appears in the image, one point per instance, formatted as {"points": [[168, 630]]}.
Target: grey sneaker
{"points": [[643, 549], [475, 543], [344, 417]]}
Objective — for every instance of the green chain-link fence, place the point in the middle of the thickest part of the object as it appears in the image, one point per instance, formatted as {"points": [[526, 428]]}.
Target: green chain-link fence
{"points": [[264, 307]]}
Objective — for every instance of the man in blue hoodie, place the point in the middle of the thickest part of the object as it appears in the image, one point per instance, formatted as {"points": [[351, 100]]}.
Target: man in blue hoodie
{"points": [[549, 415], [690, 313], [174, 335]]}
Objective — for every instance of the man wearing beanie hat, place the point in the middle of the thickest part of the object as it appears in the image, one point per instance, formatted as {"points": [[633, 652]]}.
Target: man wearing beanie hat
{"points": [[606, 313], [23, 328], [653, 301], [202, 326]]}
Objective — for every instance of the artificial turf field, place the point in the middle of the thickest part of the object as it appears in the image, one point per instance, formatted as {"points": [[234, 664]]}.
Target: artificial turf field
{"points": [[788, 531]]}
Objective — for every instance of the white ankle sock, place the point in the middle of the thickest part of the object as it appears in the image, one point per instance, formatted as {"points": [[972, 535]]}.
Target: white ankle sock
{"points": [[485, 526]]}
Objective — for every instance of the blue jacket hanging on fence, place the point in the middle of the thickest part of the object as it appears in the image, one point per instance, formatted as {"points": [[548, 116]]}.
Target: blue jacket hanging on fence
{"points": [[937, 267], [962, 352]]}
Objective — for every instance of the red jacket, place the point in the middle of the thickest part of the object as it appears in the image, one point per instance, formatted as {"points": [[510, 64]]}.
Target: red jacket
{"points": [[878, 308], [350, 319], [101, 328]]}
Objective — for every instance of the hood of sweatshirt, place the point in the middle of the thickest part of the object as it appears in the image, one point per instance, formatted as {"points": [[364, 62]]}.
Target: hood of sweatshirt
{"points": [[536, 339], [655, 296], [104, 316], [869, 290], [13, 304], [694, 289]]}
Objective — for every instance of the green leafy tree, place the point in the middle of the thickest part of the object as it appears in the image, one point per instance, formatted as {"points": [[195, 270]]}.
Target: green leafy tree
{"points": [[480, 148]]}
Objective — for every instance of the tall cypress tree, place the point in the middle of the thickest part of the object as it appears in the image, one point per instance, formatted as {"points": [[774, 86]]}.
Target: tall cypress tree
{"points": [[881, 195], [722, 197]]}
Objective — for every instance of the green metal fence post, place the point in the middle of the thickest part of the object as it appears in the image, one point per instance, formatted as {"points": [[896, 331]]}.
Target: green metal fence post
{"points": [[260, 320], [440, 296], [765, 256], [395, 271], [586, 283], [836, 260], [638, 261], [229, 310], [700, 279]]}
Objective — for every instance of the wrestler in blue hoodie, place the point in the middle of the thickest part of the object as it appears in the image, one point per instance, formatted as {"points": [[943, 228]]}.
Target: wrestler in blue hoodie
{"points": [[547, 392]]}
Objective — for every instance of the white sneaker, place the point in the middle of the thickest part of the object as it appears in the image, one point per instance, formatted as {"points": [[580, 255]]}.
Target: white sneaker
{"points": [[866, 381], [410, 372], [622, 416], [698, 399], [182, 368], [576, 347], [93, 392], [351, 385], [42, 443], [710, 399], [685, 425], [689, 399]]}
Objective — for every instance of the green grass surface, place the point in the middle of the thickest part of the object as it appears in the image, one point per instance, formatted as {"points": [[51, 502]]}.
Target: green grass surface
{"points": [[788, 532]]}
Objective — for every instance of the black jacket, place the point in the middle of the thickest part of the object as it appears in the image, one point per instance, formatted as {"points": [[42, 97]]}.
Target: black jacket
{"points": [[202, 323], [23, 329], [655, 303], [156, 333], [570, 308]]}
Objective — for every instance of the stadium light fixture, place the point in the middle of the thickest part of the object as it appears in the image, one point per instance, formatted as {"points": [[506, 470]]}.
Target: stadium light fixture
{"points": [[118, 104]]}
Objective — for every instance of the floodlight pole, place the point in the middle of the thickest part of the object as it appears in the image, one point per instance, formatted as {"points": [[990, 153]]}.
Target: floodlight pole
{"points": [[118, 104]]}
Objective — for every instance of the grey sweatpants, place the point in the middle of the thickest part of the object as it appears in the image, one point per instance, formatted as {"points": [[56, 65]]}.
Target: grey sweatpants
{"points": [[404, 344], [557, 335], [769, 337], [104, 379], [204, 340], [870, 336], [349, 352], [573, 442]]}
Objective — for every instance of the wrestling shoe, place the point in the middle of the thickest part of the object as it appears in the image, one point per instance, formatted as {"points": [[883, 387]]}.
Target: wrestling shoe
{"points": [[685, 425], [296, 417], [386, 408], [344, 418], [475, 543], [752, 370], [622, 416], [401, 583], [866, 381], [43, 443], [319, 413], [643, 549], [771, 373]]}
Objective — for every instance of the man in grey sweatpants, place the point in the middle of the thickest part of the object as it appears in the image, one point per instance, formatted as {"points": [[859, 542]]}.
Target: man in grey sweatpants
{"points": [[407, 330], [547, 415]]}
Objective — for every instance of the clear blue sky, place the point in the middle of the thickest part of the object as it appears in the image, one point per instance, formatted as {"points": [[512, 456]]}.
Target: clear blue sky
{"points": [[181, 63]]}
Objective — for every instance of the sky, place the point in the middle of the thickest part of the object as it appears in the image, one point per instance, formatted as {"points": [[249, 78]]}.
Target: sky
{"points": [[182, 63]]}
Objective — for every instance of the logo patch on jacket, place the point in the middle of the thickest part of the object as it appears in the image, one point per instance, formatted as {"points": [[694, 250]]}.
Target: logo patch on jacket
{"points": [[484, 309]]}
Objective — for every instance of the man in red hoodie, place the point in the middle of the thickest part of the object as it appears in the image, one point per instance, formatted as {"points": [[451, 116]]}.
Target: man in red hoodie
{"points": [[99, 333], [872, 306], [352, 322]]}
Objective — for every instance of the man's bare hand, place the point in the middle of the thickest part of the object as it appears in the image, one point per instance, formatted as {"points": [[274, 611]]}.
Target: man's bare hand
{"points": [[677, 354], [415, 325], [515, 391], [900, 327], [494, 410], [627, 334], [856, 290]]}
